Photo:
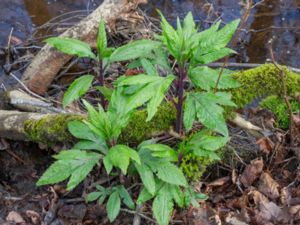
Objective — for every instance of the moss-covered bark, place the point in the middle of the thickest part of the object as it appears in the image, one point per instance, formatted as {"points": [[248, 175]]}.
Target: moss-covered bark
{"points": [[263, 81], [50, 129]]}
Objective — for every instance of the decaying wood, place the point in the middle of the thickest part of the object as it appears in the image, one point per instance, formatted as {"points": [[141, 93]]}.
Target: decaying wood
{"points": [[12, 123], [22, 101], [44, 67]]}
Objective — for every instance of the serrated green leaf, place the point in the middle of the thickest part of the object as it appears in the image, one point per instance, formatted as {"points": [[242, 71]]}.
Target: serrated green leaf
{"points": [[78, 88], [148, 67], [224, 98], [80, 130], [134, 50], [214, 55], [169, 38], [98, 121], [149, 89], [126, 198], [120, 155], [171, 174], [206, 78], [213, 42], [162, 207], [147, 177], [189, 26], [93, 196], [162, 151], [57, 172], [74, 163], [106, 92], [208, 112], [158, 97], [102, 41], [97, 144], [189, 113], [144, 196], [208, 142], [177, 195], [71, 46], [113, 206], [107, 164]]}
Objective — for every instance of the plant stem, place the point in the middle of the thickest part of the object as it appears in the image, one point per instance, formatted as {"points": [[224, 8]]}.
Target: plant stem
{"points": [[101, 82], [180, 95]]}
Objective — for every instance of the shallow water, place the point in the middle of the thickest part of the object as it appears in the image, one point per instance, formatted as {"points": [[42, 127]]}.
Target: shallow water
{"points": [[278, 19]]}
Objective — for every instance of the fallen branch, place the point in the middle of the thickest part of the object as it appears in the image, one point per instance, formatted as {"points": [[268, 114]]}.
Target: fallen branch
{"points": [[41, 128], [47, 63], [19, 100]]}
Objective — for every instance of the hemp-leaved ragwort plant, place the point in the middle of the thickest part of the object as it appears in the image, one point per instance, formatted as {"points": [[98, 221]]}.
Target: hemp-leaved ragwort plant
{"points": [[155, 164]]}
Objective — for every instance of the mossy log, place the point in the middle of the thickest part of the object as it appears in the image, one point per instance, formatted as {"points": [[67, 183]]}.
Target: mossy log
{"points": [[44, 128], [49, 129], [263, 81]]}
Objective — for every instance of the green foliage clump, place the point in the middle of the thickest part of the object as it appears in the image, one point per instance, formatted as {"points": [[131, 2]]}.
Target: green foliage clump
{"points": [[277, 105], [263, 81], [155, 164], [50, 130]]}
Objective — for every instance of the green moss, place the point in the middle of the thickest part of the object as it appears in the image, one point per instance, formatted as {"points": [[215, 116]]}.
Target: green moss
{"points": [[263, 81], [194, 166], [50, 129], [139, 130], [277, 105]]}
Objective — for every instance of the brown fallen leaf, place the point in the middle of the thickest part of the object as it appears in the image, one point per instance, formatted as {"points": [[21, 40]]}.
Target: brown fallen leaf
{"points": [[74, 213], [219, 182], [268, 186], [285, 196], [236, 219], [265, 145], [34, 216], [204, 215], [15, 217], [296, 120], [295, 212], [268, 210], [252, 172]]}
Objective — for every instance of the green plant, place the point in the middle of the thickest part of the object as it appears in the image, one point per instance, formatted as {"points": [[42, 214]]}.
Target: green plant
{"points": [[155, 164]]}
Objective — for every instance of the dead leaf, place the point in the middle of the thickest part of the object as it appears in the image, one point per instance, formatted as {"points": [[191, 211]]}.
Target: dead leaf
{"points": [[265, 145], [219, 182], [235, 219], [202, 216], [296, 120], [15, 217], [34, 216], [268, 211], [295, 212], [268, 186], [132, 72], [252, 172], [74, 213], [285, 196]]}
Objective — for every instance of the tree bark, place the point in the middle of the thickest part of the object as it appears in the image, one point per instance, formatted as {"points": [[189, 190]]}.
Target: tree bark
{"points": [[47, 63]]}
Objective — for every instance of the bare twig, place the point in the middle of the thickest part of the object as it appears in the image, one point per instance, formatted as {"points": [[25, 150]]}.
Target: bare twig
{"points": [[140, 214], [285, 95], [235, 38]]}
